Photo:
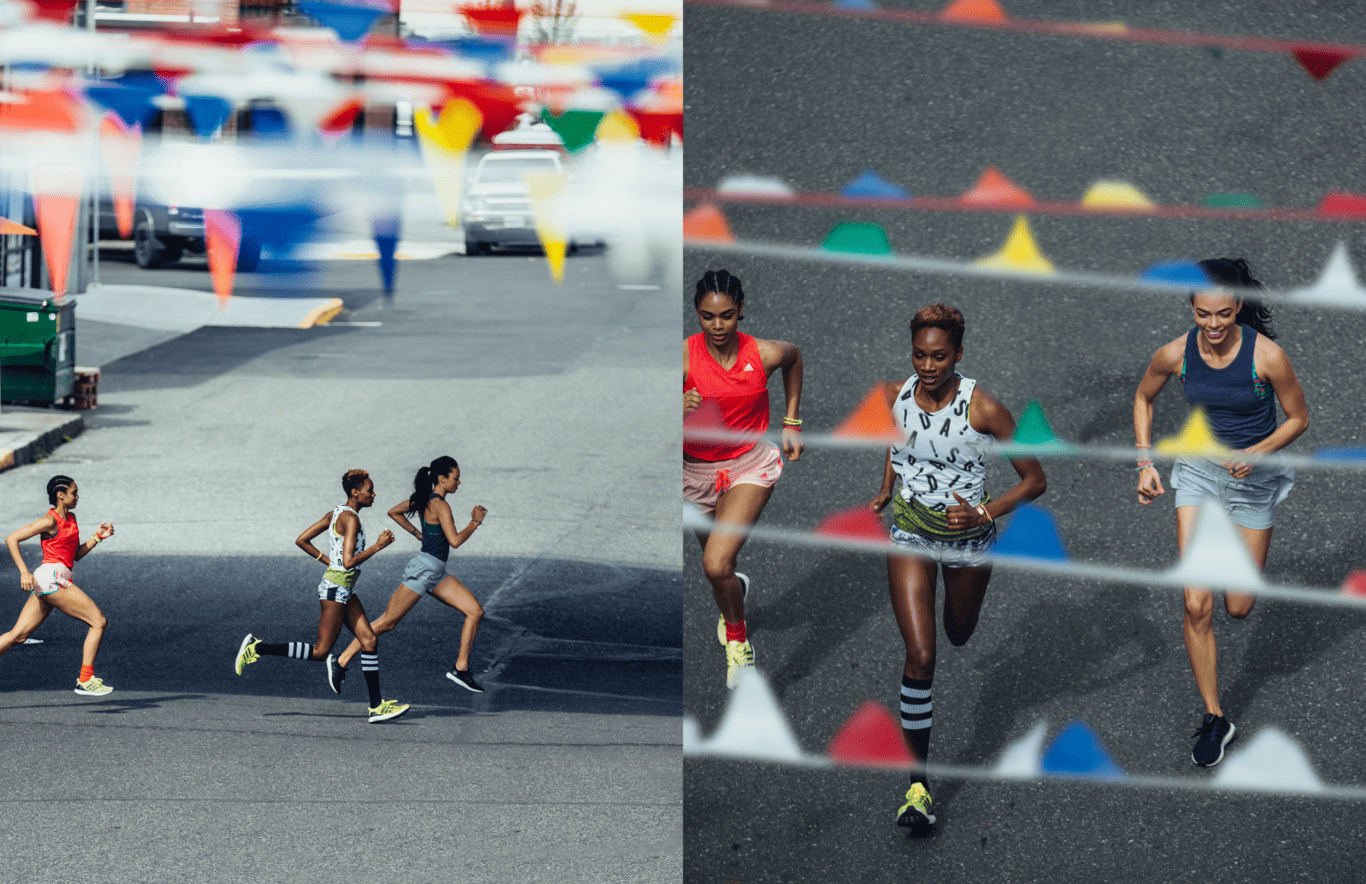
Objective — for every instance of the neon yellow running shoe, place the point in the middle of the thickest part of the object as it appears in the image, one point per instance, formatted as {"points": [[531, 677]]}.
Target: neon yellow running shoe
{"points": [[247, 653], [93, 688], [739, 655], [721, 621], [386, 710], [917, 814]]}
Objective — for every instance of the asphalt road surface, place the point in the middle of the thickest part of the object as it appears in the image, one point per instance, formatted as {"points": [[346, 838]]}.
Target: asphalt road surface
{"points": [[210, 452], [814, 101]]}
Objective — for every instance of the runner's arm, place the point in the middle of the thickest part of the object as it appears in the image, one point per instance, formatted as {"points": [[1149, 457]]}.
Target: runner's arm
{"points": [[305, 540], [1165, 362], [997, 420], [399, 513], [447, 520], [785, 356], [884, 494], [44, 525], [105, 531]]}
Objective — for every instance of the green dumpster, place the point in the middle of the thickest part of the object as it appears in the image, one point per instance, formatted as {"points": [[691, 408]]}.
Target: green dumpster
{"points": [[37, 346]]}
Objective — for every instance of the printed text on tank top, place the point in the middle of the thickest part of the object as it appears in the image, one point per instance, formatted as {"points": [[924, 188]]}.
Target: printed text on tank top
{"points": [[337, 541], [942, 452]]}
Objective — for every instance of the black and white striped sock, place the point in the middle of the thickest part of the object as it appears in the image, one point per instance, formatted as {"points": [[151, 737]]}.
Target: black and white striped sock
{"points": [[294, 650], [369, 665], [917, 715]]}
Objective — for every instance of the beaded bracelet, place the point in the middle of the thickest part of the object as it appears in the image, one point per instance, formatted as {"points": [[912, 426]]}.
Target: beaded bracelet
{"points": [[1143, 466], [793, 422]]}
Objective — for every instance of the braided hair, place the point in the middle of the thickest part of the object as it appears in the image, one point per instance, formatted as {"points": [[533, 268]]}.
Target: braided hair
{"points": [[1234, 273], [55, 484], [425, 481], [720, 282]]}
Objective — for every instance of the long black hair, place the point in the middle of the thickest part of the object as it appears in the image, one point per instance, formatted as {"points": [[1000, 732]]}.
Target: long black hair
{"points": [[1233, 273], [55, 484], [425, 480], [721, 282]]}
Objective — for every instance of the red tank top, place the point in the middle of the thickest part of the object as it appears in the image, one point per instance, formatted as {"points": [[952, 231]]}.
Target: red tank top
{"points": [[62, 547], [736, 399]]}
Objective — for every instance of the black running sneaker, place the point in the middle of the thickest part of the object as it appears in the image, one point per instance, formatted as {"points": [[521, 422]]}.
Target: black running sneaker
{"points": [[1214, 733], [336, 674], [465, 679]]}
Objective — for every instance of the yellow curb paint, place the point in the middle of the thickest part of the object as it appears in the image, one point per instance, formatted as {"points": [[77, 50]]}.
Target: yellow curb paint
{"points": [[325, 313]]}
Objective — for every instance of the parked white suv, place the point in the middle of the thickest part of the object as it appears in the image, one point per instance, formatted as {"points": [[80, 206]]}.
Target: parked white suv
{"points": [[497, 206]]}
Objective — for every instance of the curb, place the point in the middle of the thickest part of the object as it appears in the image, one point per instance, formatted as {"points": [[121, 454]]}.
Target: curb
{"points": [[36, 443]]}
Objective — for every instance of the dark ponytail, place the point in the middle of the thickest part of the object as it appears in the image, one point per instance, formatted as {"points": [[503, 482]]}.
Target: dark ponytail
{"points": [[425, 480], [1233, 273], [55, 484], [720, 282]]}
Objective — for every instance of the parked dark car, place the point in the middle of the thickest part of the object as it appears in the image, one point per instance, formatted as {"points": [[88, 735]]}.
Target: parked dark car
{"points": [[162, 234]]}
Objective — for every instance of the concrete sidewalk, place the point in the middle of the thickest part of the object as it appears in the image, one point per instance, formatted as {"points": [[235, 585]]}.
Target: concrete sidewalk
{"points": [[184, 310], [27, 434], [147, 315]]}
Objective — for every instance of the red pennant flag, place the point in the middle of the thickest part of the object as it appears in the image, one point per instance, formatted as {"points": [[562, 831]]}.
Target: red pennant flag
{"points": [[341, 118], [707, 222], [121, 144], [493, 21], [974, 10], [1355, 583], [870, 738], [1318, 62], [995, 189], [55, 10], [855, 523], [42, 111], [56, 215], [223, 233], [658, 127], [872, 419], [1337, 202]]}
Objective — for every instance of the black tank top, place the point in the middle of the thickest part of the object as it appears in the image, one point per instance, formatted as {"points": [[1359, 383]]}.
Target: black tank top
{"points": [[434, 542]]}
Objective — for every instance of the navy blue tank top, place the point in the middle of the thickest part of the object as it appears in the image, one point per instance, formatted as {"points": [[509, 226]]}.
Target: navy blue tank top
{"points": [[434, 542], [1240, 405]]}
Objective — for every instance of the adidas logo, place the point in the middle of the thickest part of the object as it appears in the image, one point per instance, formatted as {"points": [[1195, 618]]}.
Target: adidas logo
{"points": [[749, 367]]}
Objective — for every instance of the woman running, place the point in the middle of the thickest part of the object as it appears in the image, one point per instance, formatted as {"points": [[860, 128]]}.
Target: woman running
{"points": [[50, 585], [1230, 367], [725, 386], [346, 545], [943, 517], [426, 571]]}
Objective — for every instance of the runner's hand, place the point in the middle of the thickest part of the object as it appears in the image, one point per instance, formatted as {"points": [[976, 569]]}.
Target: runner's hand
{"points": [[1238, 469], [27, 583], [1149, 485], [478, 513], [691, 399], [386, 537], [879, 503], [964, 515], [106, 530], [792, 443]]}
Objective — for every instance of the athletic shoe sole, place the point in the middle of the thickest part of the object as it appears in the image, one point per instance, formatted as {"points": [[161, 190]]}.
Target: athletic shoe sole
{"points": [[237, 663], [920, 825], [469, 686], [84, 693], [1228, 738]]}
